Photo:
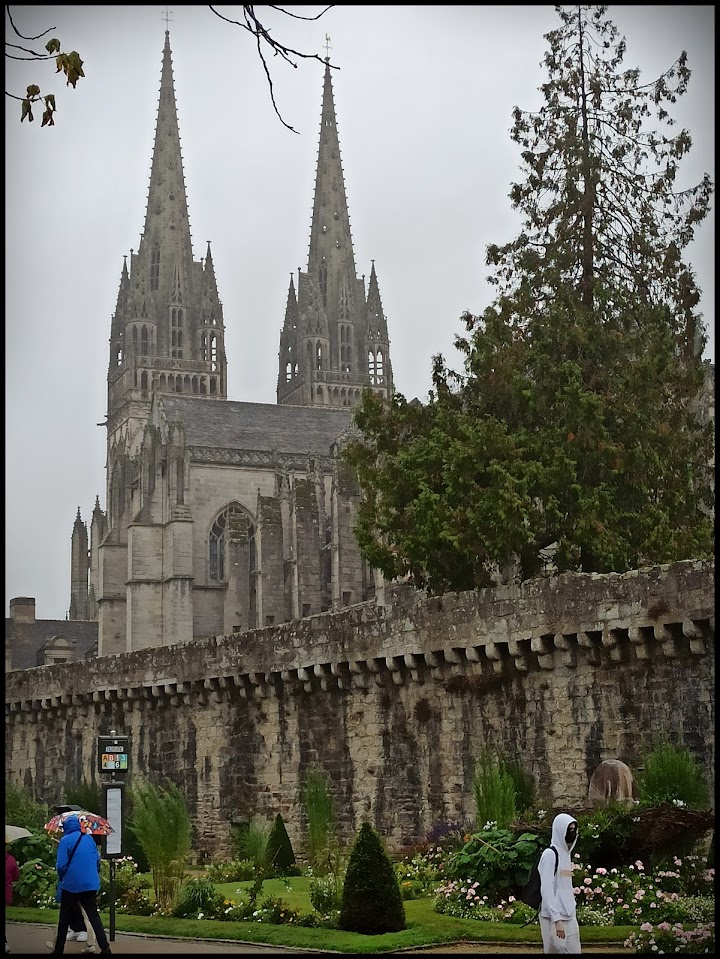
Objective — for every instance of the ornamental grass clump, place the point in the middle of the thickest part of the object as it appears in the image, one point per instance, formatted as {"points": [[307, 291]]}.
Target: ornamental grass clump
{"points": [[494, 792], [196, 897], [671, 775], [161, 823], [371, 900], [318, 808], [254, 844]]}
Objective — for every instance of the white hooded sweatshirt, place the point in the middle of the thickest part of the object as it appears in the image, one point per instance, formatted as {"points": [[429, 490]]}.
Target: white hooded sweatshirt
{"points": [[558, 898]]}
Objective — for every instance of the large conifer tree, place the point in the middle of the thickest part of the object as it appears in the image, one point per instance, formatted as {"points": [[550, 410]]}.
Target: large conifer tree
{"points": [[575, 427]]}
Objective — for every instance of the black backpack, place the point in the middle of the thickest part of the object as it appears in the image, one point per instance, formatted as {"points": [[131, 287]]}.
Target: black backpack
{"points": [[531, 894]]}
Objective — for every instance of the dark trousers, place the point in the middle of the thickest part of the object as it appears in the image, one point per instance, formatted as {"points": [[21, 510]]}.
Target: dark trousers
{"points": [[68, 903]]}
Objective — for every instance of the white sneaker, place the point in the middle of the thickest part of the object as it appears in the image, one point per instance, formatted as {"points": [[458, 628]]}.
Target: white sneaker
{"points": [[72, 935], [82, 937]]}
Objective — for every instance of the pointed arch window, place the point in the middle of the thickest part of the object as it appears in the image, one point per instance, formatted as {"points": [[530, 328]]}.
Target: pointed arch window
{"points": [[155, 268], [134, 337], [322, 277], [144, 339], [345, 348], [376, 366], [176, 287], [318, 356], [216, 544]]}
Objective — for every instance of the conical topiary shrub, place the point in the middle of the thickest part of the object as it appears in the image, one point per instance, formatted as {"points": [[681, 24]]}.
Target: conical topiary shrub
{"points": [[280, 848], [371, 900]]}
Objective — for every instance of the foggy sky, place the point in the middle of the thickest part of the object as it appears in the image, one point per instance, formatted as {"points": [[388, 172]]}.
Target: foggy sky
{"points": [[424, 96]]}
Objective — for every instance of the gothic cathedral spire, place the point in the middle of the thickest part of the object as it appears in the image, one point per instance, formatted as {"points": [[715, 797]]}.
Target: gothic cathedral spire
{"points": [[167, 333], [326, 357]]}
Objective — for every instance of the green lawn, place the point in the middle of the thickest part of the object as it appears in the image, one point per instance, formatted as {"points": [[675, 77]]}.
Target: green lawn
{"points": [[424, 927]]}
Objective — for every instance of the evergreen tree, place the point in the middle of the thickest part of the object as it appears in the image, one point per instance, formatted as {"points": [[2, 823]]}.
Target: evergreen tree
{"points": [[280, 848], [371, 900], [574, 430]]}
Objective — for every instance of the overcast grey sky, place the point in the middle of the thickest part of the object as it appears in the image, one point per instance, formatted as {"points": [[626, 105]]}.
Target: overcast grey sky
{"points": [[424, 96]]}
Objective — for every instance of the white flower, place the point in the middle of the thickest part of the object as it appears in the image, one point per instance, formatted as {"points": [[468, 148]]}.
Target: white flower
{"points": [[679, 803], [542, 812]]}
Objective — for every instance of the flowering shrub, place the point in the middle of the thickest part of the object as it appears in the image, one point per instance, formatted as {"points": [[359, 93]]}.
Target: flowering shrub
{"points": [[36, 886], [136, 902], [447, 834], [236, 870], [326, 893], [270, 909], [420, 874], [628, 896], [497, 859], [665, 938], [462, 899], [127, 881]]}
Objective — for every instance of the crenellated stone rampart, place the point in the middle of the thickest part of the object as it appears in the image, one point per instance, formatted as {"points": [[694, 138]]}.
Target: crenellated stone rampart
{"points": [[394, 702]]}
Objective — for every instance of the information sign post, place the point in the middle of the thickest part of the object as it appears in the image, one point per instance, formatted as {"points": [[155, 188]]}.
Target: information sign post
{"points": [[113, 753]]}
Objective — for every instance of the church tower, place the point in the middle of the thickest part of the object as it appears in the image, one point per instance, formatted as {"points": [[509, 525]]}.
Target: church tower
{"points": [[334, 340], [167, 332]]}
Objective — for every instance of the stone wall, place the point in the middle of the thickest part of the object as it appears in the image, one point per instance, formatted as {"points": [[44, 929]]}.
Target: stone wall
{"points": [[393, 702]]}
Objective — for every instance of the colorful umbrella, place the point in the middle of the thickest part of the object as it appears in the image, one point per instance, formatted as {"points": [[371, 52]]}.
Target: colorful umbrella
{"points": [[89, 822], [15, 832]]}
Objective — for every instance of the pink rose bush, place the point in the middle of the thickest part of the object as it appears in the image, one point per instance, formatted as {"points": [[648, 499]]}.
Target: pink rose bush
{"points": [[665, 938]]}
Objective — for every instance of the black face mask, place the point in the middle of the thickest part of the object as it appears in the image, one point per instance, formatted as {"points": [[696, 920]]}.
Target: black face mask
{"points": [[571, 834]]}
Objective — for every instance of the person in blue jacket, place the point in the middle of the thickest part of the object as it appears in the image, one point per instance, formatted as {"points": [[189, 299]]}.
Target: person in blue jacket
{"points": [[78, 868]]}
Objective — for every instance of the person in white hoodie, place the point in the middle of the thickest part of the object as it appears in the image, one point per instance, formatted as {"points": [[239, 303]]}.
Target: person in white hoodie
{"points": [[558, 923]]}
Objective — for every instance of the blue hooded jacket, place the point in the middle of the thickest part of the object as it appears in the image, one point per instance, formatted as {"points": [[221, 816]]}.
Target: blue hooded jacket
{"points": [[84, 872]]}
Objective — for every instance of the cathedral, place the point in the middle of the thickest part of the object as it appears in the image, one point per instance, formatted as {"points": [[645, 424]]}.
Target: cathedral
{"points": [[225, 516]]}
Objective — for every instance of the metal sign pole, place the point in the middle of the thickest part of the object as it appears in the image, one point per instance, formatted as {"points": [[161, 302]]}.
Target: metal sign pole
{"points": [[113, 756]]}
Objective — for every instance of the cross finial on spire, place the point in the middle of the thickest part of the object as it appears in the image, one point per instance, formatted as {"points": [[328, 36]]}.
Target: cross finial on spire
{"points": [[166, 18], [327, 47]]}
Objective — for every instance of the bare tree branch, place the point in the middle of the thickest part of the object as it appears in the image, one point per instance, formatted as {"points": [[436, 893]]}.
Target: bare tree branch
{"points": [[261, 33], [297, 15], [22, 36]]}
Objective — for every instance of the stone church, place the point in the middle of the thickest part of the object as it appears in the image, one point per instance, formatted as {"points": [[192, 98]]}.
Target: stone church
{"points": [[222, 515]]}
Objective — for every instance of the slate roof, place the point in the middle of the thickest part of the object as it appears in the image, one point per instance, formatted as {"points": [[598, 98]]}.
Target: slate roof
{"points": [[233, 425], [24, 640]]}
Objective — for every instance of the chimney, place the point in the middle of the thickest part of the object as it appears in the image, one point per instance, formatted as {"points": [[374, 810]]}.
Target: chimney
{"points": [[22, 609]]}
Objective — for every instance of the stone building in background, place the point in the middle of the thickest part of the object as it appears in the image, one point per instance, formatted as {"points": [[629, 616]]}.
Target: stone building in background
{"points": [[223, 516]]}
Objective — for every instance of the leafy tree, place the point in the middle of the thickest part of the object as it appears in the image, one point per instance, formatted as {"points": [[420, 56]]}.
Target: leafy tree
{"points": [[371, 899], [573, 433], [161, 822]]}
